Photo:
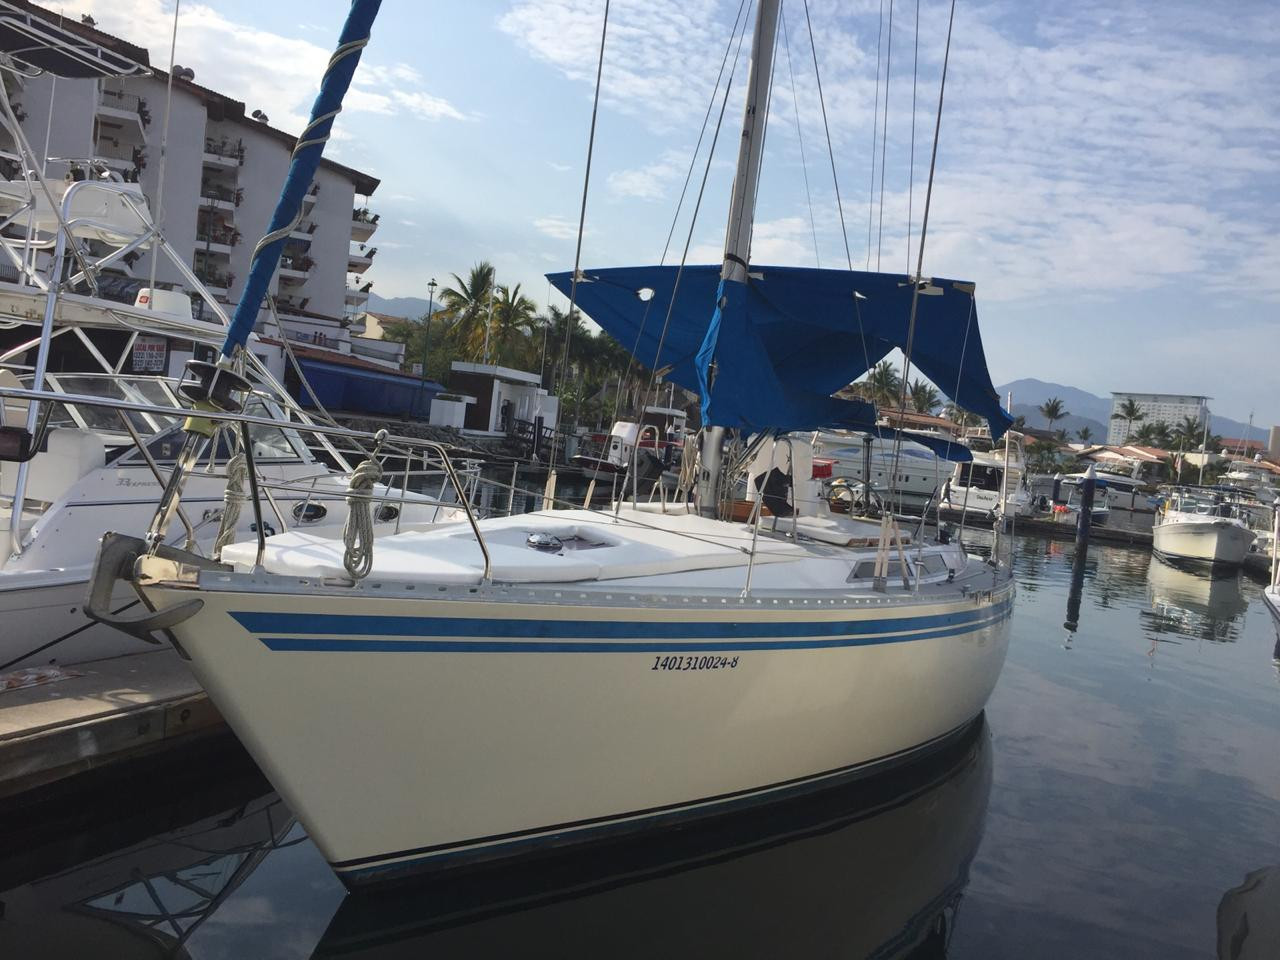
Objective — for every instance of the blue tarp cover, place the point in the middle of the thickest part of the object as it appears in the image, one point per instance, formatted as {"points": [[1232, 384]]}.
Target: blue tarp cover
{"points": [[769, 354], [361, 390]]}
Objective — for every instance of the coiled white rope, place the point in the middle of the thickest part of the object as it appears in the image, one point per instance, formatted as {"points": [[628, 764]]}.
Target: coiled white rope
{"points": [[232, 500], [357, 532]]}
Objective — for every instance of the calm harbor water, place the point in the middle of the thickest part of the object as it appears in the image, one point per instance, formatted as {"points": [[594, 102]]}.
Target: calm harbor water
{"points": [[1121, 799]]}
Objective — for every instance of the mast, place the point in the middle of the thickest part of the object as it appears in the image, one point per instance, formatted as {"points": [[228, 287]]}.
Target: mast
{"points": [[742, 208]]}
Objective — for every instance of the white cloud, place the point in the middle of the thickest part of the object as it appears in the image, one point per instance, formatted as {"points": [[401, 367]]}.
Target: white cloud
{"points": [[1092, 149], [556, 227], [559, 167], [650, 181], [267, 71]]}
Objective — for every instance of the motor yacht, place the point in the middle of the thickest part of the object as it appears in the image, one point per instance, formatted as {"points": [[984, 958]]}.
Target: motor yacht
{"points": [[1202, 525]]}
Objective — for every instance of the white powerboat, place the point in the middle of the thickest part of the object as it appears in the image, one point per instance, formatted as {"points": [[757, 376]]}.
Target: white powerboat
{"points": [[988, 484], [92, 478], [1201, 525], [536, 681], [101, 468], [1256, 476], [919, 476]]}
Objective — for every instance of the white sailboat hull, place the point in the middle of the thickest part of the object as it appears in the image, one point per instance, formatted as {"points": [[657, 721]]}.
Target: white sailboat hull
{"points": [[1210, 540], [468, 726]]}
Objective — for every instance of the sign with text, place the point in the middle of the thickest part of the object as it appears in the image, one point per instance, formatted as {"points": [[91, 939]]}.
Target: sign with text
{"points": [[150, 355]]}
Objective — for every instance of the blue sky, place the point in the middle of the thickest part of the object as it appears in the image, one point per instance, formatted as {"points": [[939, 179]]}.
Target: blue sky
{"points": [[1106, 174]]}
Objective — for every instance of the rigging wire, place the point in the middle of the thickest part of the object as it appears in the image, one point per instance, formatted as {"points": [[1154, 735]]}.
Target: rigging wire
{"points": [[675, 219], [693, 220], [582, 213], [804, 166], [924, 228], [884, 131], [911, 176], [875, 131], [835, 180]]}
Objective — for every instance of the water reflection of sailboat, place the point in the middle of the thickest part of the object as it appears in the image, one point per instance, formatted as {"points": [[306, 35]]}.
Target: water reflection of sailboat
{"points": [[146, 898], [1194, 604], [878, 868], [1249, 918]]}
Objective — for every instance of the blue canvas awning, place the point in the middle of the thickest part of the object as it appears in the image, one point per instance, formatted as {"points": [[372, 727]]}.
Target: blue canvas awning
{"points": [[778, 347], [341, 386]]}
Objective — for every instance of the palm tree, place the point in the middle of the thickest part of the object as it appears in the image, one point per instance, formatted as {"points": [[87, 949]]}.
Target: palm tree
{"points": [[924, 396], [1085, 434], [1052, 410], [1129, 411], [1161, 436], [884, 384], [1189, 433], [1144, 436], [511, 332], [466, 305]]}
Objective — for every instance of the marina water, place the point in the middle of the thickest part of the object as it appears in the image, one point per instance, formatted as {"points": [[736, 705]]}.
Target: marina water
{"points": [[1121, 799]]}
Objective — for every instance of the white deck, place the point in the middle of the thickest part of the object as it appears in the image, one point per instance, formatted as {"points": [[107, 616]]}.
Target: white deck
{"points": [[596, 546]]}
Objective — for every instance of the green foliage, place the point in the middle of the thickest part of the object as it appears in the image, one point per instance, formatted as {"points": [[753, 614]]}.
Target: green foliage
{"points": [[594, 376], [1084, 434], [924, 396], [1044, 456], [1052, 410]]}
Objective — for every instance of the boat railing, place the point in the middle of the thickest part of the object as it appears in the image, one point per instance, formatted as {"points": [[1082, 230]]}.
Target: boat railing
{"points": [[383, 444]]}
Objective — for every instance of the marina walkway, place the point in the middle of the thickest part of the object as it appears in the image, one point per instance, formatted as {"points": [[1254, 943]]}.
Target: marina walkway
{"points": [[97, 713]]}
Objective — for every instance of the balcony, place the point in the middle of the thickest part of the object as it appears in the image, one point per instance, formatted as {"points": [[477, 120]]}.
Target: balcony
{"points": [[310, 198], [128, 159], [219, 197], [223, 152], [362, 260], [357, 297], [295, 269], [363, 223], [125, 108], [217, 281], [217, 239], [304, 231]]}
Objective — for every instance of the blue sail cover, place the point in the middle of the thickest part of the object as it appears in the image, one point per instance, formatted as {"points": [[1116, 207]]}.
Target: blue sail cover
{"points": [[791, 337]]}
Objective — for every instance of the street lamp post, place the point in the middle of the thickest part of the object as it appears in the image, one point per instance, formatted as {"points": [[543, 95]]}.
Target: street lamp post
{"points": [[426, 342]]}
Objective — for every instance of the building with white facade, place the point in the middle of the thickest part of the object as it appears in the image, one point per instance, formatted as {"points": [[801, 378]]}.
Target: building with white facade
{"points": [[223, 170], [1168, 408]]}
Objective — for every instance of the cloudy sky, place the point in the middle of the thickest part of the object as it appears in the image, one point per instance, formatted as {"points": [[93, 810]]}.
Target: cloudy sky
{"points": [[1106, 174]]}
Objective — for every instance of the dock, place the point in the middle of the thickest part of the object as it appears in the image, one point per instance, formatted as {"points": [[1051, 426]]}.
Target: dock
{"points": [[98, 713], [1059, 530]]}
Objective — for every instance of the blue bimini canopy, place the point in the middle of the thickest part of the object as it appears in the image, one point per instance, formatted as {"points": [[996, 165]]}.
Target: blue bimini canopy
{"points": [[768, 355]]}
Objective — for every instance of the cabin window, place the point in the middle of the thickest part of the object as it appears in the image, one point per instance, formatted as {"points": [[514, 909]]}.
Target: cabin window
{"points": [[863, 570], [980, 477], [933, 564]]}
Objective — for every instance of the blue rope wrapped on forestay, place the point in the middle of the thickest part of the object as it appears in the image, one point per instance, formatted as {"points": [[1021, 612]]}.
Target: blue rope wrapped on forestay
{"points": [[302, 169]]}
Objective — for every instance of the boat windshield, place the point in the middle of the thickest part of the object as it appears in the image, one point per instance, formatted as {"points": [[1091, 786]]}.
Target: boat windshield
{"points": [[149, 390]]}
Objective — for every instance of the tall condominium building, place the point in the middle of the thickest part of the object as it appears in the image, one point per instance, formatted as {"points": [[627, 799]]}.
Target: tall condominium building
{"points": [[223, 170], [1167, 408]]}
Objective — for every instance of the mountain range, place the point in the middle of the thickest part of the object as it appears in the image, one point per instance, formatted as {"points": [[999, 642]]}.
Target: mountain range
{"points": [[409, 307], [1087, 409]]}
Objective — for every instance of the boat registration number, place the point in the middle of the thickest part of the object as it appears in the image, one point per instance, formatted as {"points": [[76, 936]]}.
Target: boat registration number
{"points": [[709, 662]]}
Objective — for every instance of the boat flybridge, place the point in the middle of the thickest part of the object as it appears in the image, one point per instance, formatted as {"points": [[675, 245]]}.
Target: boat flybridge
{"points": [[75, 462], [513, 684]]}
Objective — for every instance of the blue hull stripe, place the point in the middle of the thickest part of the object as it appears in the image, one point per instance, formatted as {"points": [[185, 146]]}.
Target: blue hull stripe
{"points": [[675, 645], [346, 625]]}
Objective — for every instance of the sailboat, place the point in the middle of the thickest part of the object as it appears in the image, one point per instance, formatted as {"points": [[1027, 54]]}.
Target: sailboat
{"points": [[515, 685]]}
